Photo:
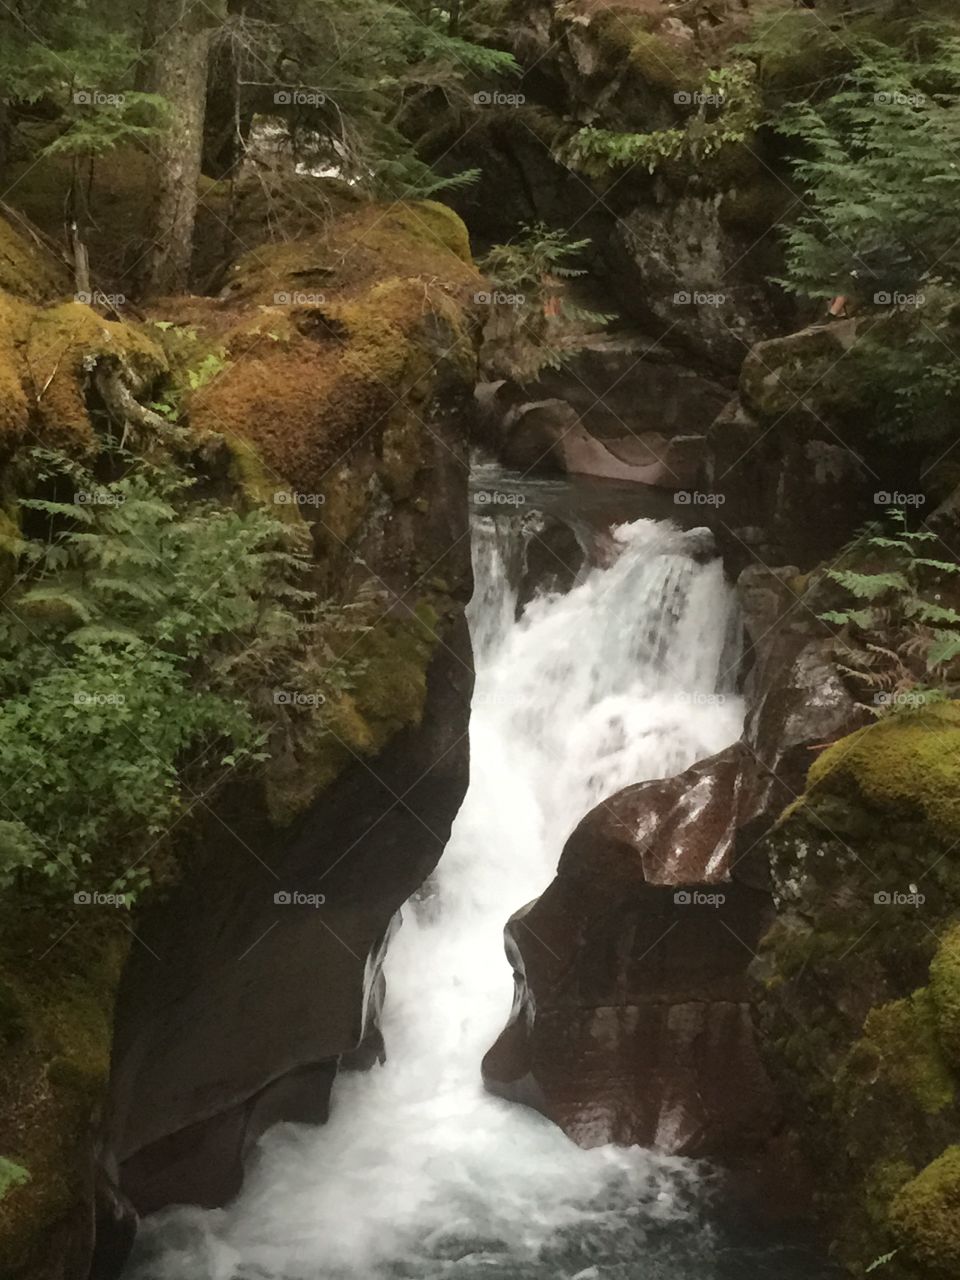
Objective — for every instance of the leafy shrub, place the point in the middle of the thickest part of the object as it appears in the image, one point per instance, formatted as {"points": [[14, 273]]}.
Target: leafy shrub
{"points": [[534, 324], [877, 169], [728, 113], [898, 629], [131, 651]]}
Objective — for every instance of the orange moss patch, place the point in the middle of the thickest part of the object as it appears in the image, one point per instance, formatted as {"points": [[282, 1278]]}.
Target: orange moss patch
{"points": [[334, 334], [60, 342]]}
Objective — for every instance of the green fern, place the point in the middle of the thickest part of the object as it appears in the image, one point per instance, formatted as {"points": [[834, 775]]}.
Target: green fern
{"points": [[907, 621]]}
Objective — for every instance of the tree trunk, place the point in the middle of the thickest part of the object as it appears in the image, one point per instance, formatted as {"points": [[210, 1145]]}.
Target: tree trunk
{"points": [[178, 71]]}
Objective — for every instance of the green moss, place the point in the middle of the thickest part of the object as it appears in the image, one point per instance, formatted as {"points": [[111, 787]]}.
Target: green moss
{"points": [[881, 1184], [27, 270], [926, 1215], [627, 39], [436, 226], [45, 355], [906, 766], [386, 674], [62, 976], [945, 991], [900, 1048], [664, 64], [11, 1175]]}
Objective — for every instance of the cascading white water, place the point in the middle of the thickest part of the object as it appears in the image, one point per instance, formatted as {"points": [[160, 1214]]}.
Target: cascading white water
{"points": [[419, 1173]]}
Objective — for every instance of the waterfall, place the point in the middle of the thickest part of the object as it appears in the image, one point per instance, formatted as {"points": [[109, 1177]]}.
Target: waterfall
{"points": [[419, 1173]]}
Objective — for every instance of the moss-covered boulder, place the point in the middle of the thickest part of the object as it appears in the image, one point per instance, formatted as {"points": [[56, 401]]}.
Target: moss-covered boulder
{"points": [[926, 1216], [858, 1002], [945, 992]]}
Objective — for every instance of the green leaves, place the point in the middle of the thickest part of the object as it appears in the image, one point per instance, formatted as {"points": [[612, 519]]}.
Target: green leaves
{"points": [[907, 614], [131, 664], [727, 111], [877, 169]]}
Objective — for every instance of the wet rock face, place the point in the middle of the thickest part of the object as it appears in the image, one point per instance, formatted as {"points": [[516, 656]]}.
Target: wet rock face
{"points": [[238, 1007], [791, 443], [618, 410], [631, 989]]}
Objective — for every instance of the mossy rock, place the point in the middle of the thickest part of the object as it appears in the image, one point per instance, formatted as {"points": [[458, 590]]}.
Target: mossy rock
{"points": [[45, 358], [900, 1047], [329, 340], [27, 270], [904, 766], [386, 693], [945, 992], [926, 1216], [665, 64], [60, 980]]}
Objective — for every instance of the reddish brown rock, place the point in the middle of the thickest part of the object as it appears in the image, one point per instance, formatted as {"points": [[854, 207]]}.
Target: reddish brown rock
{"points": [[632, 1020]]}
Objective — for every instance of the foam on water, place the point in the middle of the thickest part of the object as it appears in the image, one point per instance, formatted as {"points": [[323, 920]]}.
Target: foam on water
{"points": [[418, 1172]]}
